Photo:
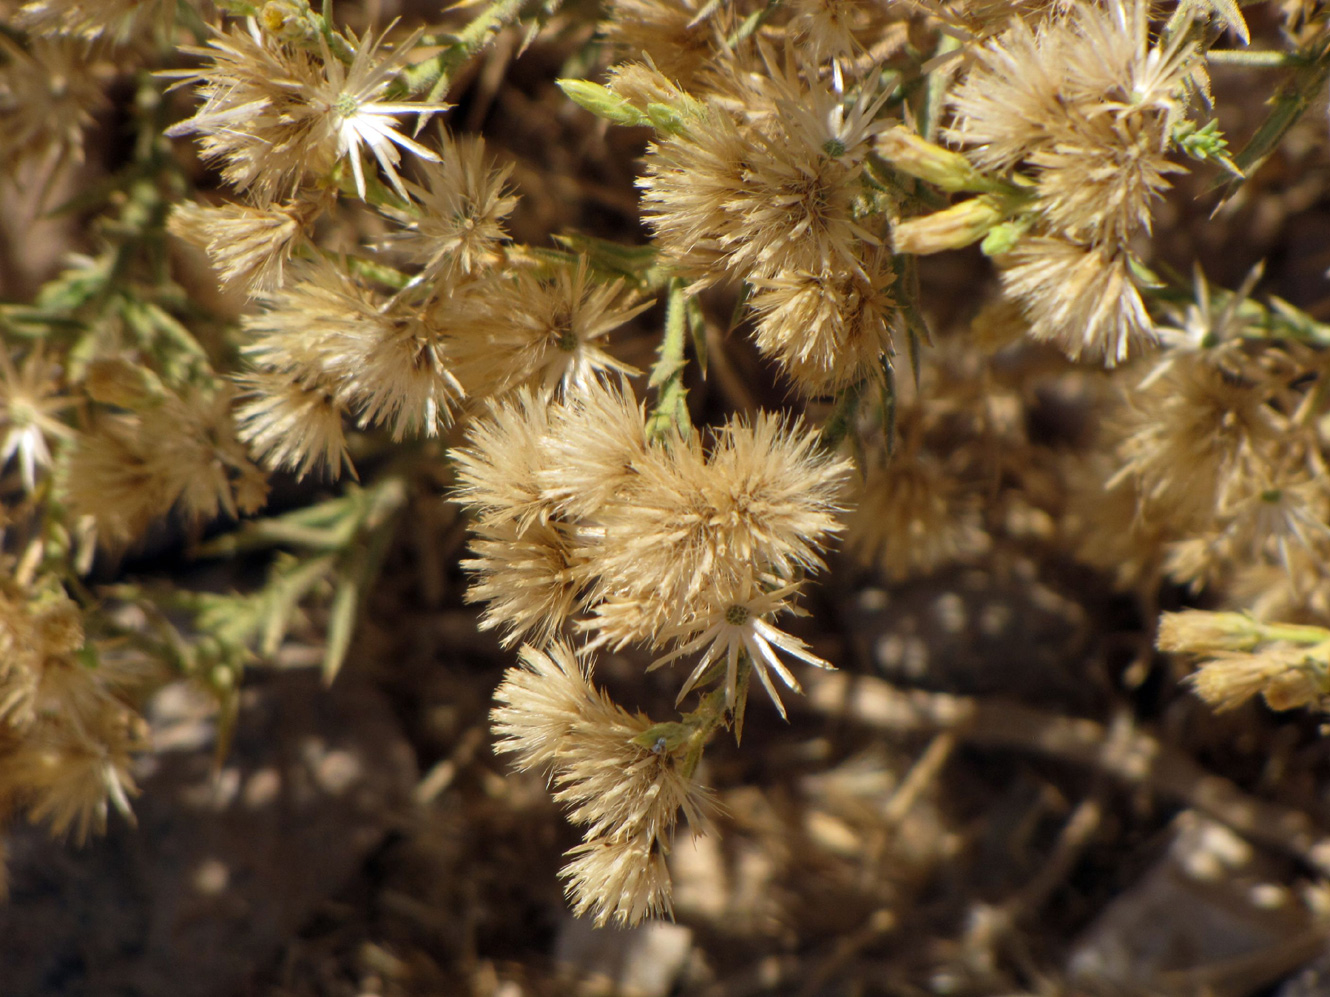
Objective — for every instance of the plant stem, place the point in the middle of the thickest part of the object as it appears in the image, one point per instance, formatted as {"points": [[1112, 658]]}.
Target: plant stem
{"points": [[1289, 104], [704, 721], [842, 416], [436, 73], [671, 411]]}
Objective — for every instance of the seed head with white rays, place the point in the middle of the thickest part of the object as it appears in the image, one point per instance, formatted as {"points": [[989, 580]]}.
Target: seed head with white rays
{"points": [[817, 114], [359, 119], [275, 115], [30, 403], [740, 626]]}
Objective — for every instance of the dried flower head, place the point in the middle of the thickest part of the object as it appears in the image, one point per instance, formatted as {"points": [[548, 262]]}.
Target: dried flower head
{"points": [[529, 579], [1194, 437], [274, 114], [1196, 631], [827, 330], [833, 28], [90, 20], [49, 92], [594, 442], [458, 225], [65, 732], [619, 879], [1032, 89], [913, 516], [174, 450], [627, 795], [1081, 300], [689, 185], [257, 118], [762, 505], [796, 211], [249, 246], [1278, 522], [1082, 111], [1287, 675], [679, 36], [737, 624], [523, 329], [405, 380], [1107, 521], [329, 331], [30, 402], [291, 424], [769, 190], [499, 470], [75, 773]]}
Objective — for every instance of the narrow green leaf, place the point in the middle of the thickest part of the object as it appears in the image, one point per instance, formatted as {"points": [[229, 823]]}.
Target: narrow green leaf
{"points": [[341, 626], [1231, 15], [916, 328], [741, 697], [610, 257], [889, 404], [752, 22], [697, 329], [838, 424]]}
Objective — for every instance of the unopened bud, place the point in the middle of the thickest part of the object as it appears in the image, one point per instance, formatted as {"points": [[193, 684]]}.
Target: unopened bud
{"points": [[288, 20], [603, 102], [915, 155], [1003, 238], [1293, 688], [1196, 631], [957, 226]]}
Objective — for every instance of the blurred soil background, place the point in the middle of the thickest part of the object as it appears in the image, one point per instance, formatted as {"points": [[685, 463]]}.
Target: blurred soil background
{"points": [[1002, 791]]}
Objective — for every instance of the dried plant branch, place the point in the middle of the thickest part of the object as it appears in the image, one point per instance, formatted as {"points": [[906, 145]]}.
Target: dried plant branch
{"points": [[1121, 751]]}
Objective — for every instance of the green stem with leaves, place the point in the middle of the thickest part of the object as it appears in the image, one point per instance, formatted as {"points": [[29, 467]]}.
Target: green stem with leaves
{"points": [[670, 413], [1289, 104], [436, 73]]}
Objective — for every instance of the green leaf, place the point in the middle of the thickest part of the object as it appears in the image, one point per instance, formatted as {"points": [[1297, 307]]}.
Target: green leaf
{"points": [[664, 738], [1205, 144], [752, 22], [1228, 12], [327, 526], [357, 568], [916, 328], [697, 329], [889, 404], [341, 626], [838, 424], [741, 698], [613, 258]]}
